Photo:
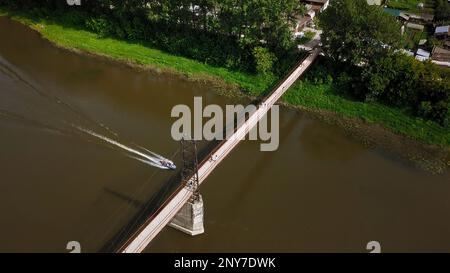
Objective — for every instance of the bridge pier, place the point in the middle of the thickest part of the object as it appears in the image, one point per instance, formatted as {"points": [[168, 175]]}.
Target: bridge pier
{"points": [[189, 218]]}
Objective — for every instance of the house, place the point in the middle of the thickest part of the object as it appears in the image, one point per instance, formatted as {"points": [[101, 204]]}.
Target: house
{"points": [[400, 15], [415, 26], [303, 21], [317, 5], [392, 12], [403, 16], [440, 56], [422, 55], [421, 18], [442, 31]]}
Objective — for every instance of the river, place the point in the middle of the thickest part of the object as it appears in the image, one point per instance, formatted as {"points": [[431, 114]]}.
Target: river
{"points": [[320, 191]]}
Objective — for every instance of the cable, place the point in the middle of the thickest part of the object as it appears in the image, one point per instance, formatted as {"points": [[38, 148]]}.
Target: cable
{"points": [[132, 225]]}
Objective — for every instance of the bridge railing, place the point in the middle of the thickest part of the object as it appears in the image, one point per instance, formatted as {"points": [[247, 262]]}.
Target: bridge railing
{"points": [[273, 90]]}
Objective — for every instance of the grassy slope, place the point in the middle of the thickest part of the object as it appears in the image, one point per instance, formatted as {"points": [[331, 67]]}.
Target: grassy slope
{"points": [[412, 5], [138, 53], [323, 97], [303, 94]]}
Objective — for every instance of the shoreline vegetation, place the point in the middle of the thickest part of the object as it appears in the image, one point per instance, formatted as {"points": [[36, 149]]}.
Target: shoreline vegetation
{"points": [[424, 143]]}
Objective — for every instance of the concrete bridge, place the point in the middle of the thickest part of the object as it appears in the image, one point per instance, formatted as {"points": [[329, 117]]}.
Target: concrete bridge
{"points": [[179, 202]]}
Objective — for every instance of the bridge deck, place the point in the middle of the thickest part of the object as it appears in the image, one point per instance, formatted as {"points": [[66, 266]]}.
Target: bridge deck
{"points": [[175, 202]]}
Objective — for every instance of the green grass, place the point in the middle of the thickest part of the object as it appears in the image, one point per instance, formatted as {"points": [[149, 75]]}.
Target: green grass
{"points": [[413, 37], [323, 97], [139, 53], [411, 5], [303, 94]]}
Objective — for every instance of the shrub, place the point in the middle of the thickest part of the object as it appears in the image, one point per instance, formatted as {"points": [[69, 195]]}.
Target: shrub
{"points": [[263, 59], [400, 80], [101, 26]]}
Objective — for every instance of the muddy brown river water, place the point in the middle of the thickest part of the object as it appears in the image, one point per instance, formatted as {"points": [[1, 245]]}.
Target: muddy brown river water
{"points": [[320, 191]]}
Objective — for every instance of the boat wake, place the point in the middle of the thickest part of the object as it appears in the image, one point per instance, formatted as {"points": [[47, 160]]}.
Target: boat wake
{"points": [[139, 153], [145, 156]]}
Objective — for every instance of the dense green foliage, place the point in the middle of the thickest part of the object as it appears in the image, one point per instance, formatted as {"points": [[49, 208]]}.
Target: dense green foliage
{"points": [[327, 97], [442, 11], [402, 81], [360, 32], [222, 33], [140, 53], [264, 59], [323, 88], [368, 66]]}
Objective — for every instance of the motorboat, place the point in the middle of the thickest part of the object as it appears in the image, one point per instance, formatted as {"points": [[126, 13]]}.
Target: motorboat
{"points": [[168, 164]]}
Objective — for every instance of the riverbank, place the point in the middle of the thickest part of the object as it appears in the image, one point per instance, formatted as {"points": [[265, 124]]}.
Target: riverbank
{"points": [[137, 54], [395, 129]]}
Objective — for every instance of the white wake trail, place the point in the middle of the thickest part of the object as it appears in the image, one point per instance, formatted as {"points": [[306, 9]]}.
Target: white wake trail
{"points": [[144, 157], [146, 162], [160, 157]]}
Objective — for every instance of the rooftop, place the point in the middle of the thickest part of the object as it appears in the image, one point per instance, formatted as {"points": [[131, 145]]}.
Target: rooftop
{"points": [[441, 54], [423, 16], [423, 53], [442, 29], [393, 12], [415, 26]]}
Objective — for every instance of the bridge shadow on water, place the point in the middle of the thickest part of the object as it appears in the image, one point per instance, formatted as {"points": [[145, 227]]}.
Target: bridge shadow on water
{"points": [[150, 207]]}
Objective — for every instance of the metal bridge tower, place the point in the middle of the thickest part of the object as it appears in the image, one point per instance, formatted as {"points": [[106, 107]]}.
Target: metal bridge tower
{"points": [[189, 173], [189, 218]]}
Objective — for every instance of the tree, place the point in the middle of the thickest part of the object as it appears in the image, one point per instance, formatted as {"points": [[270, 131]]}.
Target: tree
{"points": [[217, 32], [402, 81], [393, 79], [442, 11], [355, 32], [264, 59]]}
